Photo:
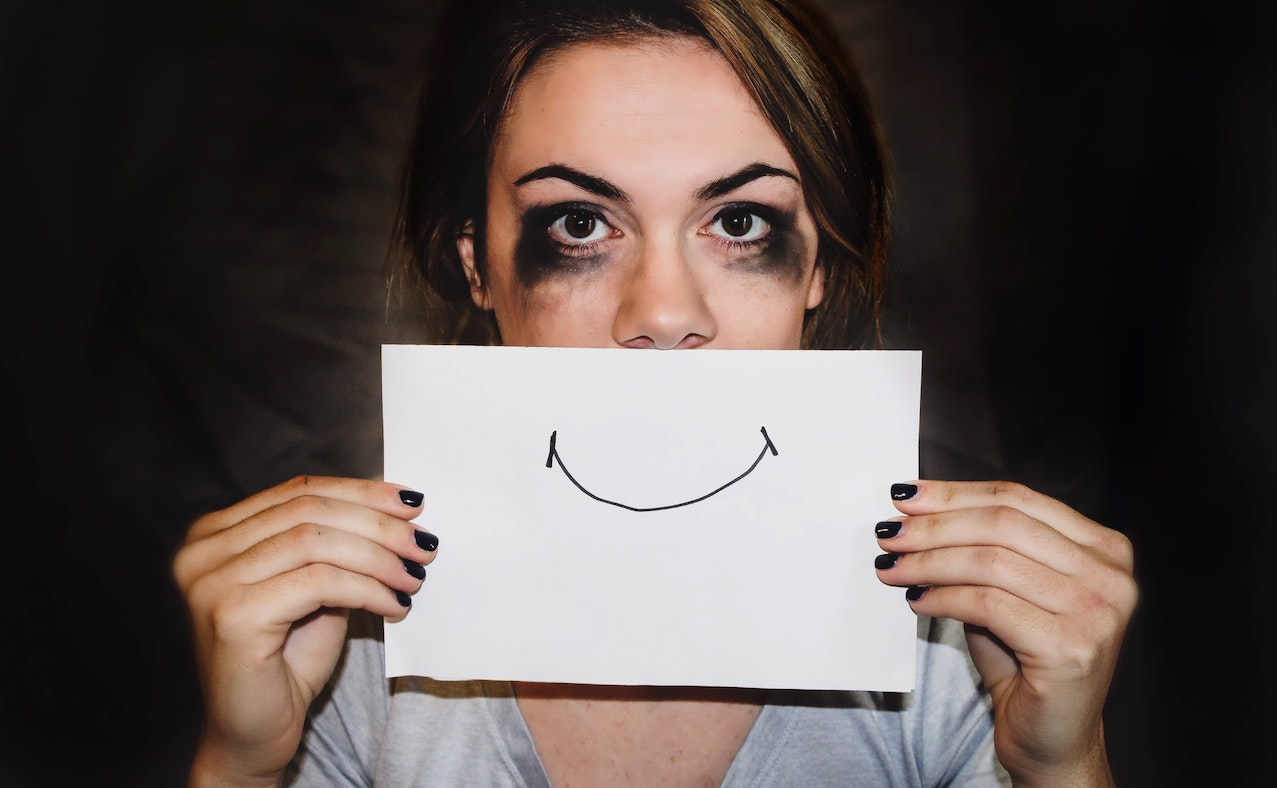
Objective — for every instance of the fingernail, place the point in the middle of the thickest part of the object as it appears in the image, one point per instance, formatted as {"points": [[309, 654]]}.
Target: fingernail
{"points": [[915, 593], [903, 492], [885, 561], [426, 541], [402, 598], [415, 569], [411, 498], [887, 528]]}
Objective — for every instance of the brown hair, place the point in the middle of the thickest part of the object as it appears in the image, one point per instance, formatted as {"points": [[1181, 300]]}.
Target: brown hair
{"points": [[784, 51]]}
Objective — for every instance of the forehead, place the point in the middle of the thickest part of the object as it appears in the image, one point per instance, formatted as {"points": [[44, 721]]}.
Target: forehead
{"points": [[662, 108]]}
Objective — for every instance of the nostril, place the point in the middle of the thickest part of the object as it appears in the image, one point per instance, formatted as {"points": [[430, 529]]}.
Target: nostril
{"points": [[645, 342], [639, 343]]}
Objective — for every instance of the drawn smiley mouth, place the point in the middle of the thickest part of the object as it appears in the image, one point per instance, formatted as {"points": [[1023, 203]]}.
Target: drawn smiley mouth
{"points": [[554, 456]]}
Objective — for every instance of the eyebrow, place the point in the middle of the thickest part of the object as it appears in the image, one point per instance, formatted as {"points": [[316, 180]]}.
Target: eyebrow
{"points": [[588, 182], [741, 177], [603, 188]]}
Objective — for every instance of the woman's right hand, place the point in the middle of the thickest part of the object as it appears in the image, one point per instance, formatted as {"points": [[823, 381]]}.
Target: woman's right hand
{"points": [[269, 583]]}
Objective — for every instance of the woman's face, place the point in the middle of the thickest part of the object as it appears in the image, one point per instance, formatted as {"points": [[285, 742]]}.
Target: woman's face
{"points": [[638, 198]]}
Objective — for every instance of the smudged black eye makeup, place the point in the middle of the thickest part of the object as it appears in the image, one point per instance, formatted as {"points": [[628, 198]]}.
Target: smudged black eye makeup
{"points": [[563, 237], [573, 237], [757, 237]]}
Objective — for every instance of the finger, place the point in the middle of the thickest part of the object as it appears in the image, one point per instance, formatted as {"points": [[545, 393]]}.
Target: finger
{"points": [[255, 618], [1000, 526], [995, 661], [984, 565], [316, 544], [394, 500], [393, 533], [926, 497], [303, 591], [1028, 630]]}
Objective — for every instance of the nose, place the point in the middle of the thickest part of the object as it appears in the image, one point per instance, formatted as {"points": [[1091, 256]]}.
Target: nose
{"points": [[663, 306]]}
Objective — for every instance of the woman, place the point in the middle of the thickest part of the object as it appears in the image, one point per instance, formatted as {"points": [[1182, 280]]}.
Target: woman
{"points": [[666, 175]]}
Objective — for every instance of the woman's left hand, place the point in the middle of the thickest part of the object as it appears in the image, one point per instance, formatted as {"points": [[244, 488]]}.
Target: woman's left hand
{"points": [[1046, 595]]}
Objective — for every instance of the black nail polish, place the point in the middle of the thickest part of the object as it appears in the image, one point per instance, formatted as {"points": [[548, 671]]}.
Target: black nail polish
{"points": [[402, 598], [415, 569], [411, 498], [915, 593], [887, 528], [885, 561], [903, 492], [427, 541]]}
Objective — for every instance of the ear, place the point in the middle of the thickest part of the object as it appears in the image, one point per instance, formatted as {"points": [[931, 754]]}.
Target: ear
{"points": [[465, 250], [816, 288]]}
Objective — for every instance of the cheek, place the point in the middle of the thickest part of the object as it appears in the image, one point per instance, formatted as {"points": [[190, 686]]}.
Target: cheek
{"points": [[762, 303], [757, 315], [782, 263], [537, 300], [557, 311]]}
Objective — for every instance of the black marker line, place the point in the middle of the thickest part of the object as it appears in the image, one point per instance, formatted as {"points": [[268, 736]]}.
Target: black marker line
{"points": [[554, 455]]}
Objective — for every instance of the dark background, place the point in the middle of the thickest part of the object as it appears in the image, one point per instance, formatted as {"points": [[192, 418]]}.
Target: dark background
{"points": [[195, 216]]}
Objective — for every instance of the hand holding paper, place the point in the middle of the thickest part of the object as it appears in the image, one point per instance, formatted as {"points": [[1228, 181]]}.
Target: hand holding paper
{"points": [[269, 582], [1046, 594]]}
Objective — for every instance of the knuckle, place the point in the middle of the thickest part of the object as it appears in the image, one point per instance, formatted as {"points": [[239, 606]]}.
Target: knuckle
{"points": [[225, 621], [304, 507], [999, 562], [989, 602], [219, 612], [1080, 655], [320, 575], [1131, 595], [183, 568], [307, 483], [1090, 601], [197, 595], [1115, 621], [1005, 518], [1073, 554], [1108, 607], [300, 482], [303, 537], [1011, 491], [1125, 594], [391, 531], [207, 524], [1119, 548], [201, 524]]}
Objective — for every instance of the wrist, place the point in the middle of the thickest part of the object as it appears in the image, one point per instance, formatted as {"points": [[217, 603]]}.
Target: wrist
{"points": [[213, 767], [1089, 770]]}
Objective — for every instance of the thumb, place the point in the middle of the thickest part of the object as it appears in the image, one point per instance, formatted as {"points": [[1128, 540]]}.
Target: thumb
{"points": [[993, 659]]}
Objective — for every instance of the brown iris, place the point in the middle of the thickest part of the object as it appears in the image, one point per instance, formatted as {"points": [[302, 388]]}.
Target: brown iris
{"points": [[579, 224], [737, 223]]}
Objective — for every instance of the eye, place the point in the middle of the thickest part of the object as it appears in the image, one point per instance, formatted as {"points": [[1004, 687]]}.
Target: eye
{"points": [[740, 225], [578, 227]]}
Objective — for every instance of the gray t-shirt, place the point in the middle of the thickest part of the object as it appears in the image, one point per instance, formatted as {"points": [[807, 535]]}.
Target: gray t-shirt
{"points": [[413, 731]]}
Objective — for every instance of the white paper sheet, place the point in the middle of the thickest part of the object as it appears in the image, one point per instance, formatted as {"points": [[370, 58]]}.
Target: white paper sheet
{"points": [[542, 575]]}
